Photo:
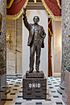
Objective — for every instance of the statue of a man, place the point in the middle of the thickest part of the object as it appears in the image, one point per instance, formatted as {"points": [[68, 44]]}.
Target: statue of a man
{"points": [[35, 40]]}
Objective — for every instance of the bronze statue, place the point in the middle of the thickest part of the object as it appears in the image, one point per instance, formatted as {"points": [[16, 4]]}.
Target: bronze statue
{"points": [[35, 40]]}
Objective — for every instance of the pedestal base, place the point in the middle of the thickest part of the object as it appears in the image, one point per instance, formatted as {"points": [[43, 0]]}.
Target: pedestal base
{"points": [[34, 88], [35, 74]]}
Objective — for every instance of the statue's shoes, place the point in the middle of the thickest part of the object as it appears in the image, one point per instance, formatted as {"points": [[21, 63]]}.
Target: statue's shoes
{"points": [[37, 71], [30, 71]]}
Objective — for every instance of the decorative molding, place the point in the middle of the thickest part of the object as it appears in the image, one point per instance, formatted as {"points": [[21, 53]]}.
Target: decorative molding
{"points": [[57, 74], [35, 1], [35, 6]]}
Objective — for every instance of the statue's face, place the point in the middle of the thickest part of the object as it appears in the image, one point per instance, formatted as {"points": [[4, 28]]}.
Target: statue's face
{"points": [[36, 19]]}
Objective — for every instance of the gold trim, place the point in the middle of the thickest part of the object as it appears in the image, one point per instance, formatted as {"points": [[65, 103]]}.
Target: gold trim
{"points": [[14, 17], [58, 4], [56, 18], [50, 31], [35, 1], [10, 4], [49, 21]]}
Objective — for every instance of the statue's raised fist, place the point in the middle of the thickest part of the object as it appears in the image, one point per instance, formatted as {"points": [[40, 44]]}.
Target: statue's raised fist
{"points": [[24, 11]]}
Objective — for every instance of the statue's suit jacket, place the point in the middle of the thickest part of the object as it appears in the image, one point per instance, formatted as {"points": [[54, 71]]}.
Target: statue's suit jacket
{"points": [[30, 27]]}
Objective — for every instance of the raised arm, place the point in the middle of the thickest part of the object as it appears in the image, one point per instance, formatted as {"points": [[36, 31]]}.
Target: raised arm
{"points": [[25, 20]]}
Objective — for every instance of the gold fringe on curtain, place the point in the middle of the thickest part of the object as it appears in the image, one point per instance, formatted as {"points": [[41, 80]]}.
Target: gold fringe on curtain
{"points": [[14, 17], [56, 18], [10, 4], [58, 2]]}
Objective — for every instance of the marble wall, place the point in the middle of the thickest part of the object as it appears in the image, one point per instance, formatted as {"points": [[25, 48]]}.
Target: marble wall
{"points": [[57, 47], [11, 43], [66, 34], [3, 51], [14, 46], [3, 36]]}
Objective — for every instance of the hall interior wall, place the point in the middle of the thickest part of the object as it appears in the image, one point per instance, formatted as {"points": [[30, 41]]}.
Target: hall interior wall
{"points": [[56, 47], [14, 46]]}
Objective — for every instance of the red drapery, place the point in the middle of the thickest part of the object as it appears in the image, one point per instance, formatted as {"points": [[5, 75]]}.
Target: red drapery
{"points": [[50, 33], [15, 6], [53, 7]]}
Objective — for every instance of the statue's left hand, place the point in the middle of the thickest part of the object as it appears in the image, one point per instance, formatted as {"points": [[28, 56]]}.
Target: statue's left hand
{"points": [[24, 11]]}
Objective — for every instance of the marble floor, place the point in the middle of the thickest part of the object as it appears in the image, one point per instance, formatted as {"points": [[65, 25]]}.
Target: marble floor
{"points": [[14, 93]]}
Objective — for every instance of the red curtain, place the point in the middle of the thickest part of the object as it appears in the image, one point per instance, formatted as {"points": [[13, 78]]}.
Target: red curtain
{"points": [[53, 7], [50, 33], [17, 5]]}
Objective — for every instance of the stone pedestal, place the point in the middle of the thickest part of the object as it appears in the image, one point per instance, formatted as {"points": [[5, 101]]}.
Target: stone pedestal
{"points": [[34, 86], [34, 74]]}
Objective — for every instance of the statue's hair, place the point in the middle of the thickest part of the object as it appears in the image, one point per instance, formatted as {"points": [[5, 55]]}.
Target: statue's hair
{"points": [[36, 17]]}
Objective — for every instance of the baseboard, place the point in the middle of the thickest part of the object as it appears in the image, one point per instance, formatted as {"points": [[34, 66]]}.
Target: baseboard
{"points": [[57, 74]]}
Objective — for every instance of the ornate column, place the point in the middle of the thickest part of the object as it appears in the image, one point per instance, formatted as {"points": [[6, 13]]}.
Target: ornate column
{"points": [[66, 49], [65, 41], [2, 50]]}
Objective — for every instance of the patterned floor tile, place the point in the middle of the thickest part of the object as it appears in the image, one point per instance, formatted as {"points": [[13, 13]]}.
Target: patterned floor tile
{"points": [[15, 97]]}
